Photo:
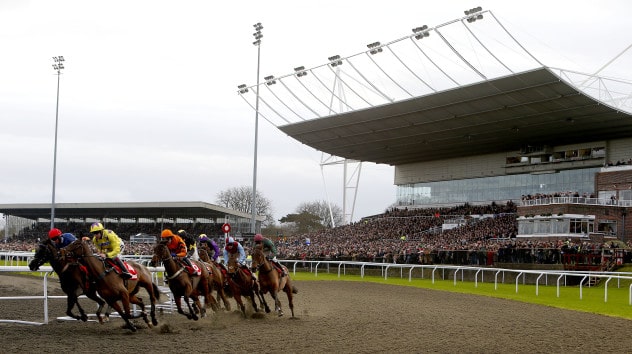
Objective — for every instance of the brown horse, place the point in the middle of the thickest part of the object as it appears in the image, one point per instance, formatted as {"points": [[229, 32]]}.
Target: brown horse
{"points": [[271, 281], [242, 283], [217, 277], [183, 284], [73, 279], [112, 288]]}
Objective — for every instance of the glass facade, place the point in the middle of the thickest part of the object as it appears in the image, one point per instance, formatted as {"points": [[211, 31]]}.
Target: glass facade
{"points": [[499, 188]]}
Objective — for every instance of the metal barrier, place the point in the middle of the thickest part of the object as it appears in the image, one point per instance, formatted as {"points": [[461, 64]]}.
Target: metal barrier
{"points": [[403, 271], [47, 271], [341, 266]]}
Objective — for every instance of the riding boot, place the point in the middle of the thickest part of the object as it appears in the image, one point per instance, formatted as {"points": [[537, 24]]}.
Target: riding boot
{"points": [[279, 267], [187, 261], [124, 273]]}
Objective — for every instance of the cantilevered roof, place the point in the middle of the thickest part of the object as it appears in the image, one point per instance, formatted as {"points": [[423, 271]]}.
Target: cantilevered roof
{"points": [[101, 211], [529, 108]]}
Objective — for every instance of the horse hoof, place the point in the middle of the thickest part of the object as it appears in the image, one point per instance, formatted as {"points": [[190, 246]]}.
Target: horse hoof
{"points": [[154, 321], [84, 318]]}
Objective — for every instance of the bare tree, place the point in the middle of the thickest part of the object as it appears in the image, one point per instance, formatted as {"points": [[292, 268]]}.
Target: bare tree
{"points": [[321, 209], [240, 199]]}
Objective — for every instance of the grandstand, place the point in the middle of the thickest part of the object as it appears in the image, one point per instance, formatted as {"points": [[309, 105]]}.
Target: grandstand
{"points": [[32, 221], [475, 125]]}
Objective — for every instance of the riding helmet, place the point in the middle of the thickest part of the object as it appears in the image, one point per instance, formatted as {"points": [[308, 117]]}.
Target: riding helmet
{"points": [[96, 227], [54, 233]]}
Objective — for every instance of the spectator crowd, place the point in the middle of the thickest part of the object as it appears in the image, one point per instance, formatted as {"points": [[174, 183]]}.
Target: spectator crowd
{"points": [[479, 235]]}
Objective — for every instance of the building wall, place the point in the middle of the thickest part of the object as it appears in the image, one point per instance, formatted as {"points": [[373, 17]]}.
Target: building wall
{"points": [[613, 180], [496, 164]]}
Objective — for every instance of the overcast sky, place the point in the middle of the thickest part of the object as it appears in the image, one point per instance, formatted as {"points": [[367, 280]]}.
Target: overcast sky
{"points": [[148, 109]]}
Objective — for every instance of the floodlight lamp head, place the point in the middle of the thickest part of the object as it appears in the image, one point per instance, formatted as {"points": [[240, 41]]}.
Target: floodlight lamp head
{"points": [[334, 58], [299, 68], [242, 86], [373, 45], [268, 78]]}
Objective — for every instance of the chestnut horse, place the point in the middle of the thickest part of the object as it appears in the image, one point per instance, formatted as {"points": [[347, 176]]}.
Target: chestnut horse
{"points": [[217, 277], [242, 283], [183, 284], [73, 279], [112, 288], [271, 281]]}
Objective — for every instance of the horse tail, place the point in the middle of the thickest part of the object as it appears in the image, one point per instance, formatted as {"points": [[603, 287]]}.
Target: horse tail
{"points": [[156, 290], [294, 290]]}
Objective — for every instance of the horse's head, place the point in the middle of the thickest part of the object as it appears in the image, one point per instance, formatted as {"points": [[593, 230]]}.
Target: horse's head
{"points": [[76, 250], [204, 255], [258, 258], [161, 253], [231, 264], [41, 256]]}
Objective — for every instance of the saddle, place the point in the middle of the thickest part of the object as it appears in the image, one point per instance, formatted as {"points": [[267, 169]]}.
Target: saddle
{"points": [[195, 270], [279, 269], [110, 263]]}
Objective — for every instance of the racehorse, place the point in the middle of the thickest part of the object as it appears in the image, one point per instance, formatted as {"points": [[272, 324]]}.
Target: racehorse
{"points": [[183, 284], [217, 277], [242, 283], [271, 281], [73, 279], [112, 288]]}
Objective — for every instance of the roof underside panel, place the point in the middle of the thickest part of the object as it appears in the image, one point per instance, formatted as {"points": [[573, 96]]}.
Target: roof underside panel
{"points": [[499, 115]]}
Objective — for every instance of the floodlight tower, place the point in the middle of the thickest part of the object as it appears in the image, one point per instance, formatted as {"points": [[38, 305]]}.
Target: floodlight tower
{"points": [[258, 35], [58, 66]]}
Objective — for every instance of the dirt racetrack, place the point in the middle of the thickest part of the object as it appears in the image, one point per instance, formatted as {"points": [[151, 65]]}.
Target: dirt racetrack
{"points": [[334, 317]]}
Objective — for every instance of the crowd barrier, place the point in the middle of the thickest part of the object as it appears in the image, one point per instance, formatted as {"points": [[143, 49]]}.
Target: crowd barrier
{"points": [[455, 273]]}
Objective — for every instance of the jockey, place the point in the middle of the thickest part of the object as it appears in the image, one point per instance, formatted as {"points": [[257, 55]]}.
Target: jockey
{"points": [[108, 245], [176, 245], [233, 247], [212, 245], [189, 241], [61, 240], [269, 250]]}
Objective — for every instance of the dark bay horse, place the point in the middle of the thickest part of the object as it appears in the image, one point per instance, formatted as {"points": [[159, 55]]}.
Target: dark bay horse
{"points": [[242, 283], [112, 288], [184, 285], [271, 281], [73, 279], [217, 277]]}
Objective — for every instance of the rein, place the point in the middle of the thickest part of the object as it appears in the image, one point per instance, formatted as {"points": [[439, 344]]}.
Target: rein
{"points": [[178, 272], [77, 257]]}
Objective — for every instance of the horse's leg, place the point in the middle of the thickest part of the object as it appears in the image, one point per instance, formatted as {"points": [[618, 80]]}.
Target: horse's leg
{"points": [[290, 297], [221, 293], [138, 301], [125, 300], [178, 300], [154, 296], [240, 303], [71, 300], [123, 312], [258, 292], [277, 302], [195, 300]]}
